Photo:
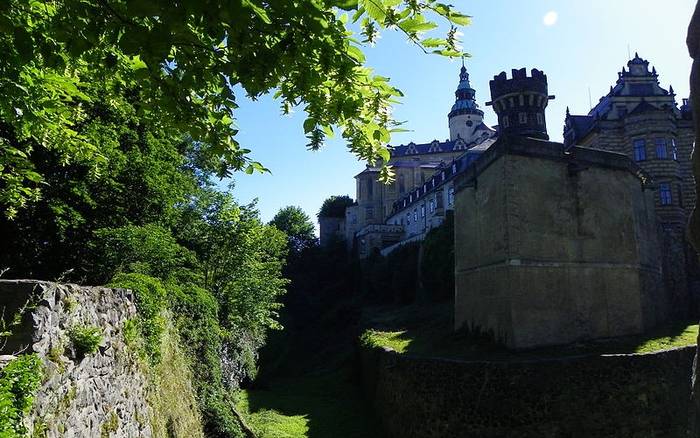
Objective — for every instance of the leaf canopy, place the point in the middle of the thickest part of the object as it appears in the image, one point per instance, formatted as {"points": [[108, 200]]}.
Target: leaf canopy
{"points": [[179, 62]]}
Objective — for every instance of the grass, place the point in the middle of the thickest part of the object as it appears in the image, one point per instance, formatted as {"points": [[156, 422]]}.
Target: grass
{"points": [[397, 341], [324, 405], [427, 331]]}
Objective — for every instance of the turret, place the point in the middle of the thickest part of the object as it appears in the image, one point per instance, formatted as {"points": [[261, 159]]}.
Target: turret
{"points": [[520, 103], [465, 118]]}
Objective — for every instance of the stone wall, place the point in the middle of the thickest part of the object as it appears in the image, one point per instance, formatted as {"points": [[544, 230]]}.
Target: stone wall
{"points": [[102, 394], [554, 247], [107, 393], [617, 396]]}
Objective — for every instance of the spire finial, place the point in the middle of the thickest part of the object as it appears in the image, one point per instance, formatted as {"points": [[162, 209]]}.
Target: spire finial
{"points": [[462, 60], [636, 54], [567, 112]]}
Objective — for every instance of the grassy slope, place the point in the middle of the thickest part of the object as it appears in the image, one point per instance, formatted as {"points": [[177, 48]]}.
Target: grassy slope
{"points": [[315, 406], [427, 332], [308, 387]]}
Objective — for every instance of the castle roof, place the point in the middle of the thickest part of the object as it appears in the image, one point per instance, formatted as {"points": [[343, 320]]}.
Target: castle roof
{"points": [[446, 173], [438, 147], [637, 91]]}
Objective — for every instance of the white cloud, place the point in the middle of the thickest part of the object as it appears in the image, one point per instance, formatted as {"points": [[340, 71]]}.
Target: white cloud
{"points": [[550, 18]]}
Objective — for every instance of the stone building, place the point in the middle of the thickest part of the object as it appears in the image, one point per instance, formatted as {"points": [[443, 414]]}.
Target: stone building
{"points": [[640, 119], [381, 217]]}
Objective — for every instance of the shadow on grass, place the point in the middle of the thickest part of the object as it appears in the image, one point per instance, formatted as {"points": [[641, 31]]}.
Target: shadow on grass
{"points": [[421, 331], [325, 405]]}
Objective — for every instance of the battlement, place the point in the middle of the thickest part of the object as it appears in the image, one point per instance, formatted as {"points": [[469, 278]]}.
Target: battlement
{"points": [[520, 102], [520, 82]]}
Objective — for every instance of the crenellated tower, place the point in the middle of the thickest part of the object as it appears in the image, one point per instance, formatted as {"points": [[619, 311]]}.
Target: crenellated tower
{"points": [[520, 103]]}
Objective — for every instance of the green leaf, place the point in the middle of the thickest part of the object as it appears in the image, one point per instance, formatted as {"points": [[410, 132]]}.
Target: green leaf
{"points": [[462, 20], [433, 42], [259, 11], [309, 125], [375, 10], [411, 25], [346, 5], [356, 54]]}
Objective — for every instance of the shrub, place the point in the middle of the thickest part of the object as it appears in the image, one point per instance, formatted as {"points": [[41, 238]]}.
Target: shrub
{"points": [[19, 381], [151, 302], [85, 339]]}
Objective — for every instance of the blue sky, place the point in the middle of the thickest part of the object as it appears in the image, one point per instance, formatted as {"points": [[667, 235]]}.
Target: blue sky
{"points": [[578, 44]]}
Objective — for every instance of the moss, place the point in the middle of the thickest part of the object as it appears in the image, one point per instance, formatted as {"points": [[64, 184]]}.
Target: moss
{"points": [[69, 303], [40, 428], [19, 381], [85, 339], [65, 401], [110, 426], [55, 354]]}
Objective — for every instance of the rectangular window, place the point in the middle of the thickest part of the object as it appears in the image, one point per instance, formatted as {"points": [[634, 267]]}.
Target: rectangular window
{"points": [[640, 150], [665, 196], [540, 119], [408, 218], [506, 122], [451, 196], [370, 212], [661, 150], [422, 210], [522, 118], [454, 168], [415, 215], [370, 189], [432, 206]]}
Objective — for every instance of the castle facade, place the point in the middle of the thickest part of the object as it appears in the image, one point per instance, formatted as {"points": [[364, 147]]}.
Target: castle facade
{"points": [[554, 242]]}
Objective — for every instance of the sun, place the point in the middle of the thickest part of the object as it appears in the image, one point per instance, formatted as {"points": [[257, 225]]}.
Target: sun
{"points": [[550, 18]]}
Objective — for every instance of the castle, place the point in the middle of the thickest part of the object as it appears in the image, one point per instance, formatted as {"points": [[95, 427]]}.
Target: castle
{"points": [[554, 242]]}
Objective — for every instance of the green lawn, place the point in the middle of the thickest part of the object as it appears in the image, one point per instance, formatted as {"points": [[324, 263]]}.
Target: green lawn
{"points": [[327, 405], [427, 331]]}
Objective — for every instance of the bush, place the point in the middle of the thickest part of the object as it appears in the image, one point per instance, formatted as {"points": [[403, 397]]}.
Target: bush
{"points": [[19, 381], [85, 339], [151, 302]]}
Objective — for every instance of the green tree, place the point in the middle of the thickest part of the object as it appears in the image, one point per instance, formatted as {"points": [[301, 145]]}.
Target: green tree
{"points": [[179, 62], [335, 206], [297, 226]]}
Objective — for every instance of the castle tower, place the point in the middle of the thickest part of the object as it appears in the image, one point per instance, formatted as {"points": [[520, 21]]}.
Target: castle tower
{"points": [[520, 103], [465, 118]]}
